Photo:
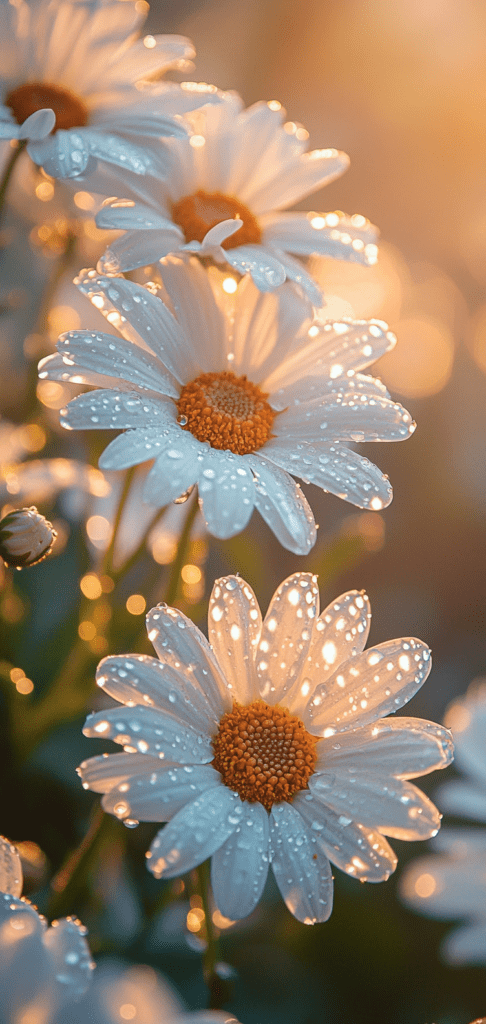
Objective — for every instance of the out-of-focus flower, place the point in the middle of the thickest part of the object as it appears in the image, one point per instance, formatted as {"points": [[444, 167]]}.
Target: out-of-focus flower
{"points": [[41, 969], [69, 75], [26, 537], [452, 882], [234, 402], [122, 992], [276, 748], [223, 196]]}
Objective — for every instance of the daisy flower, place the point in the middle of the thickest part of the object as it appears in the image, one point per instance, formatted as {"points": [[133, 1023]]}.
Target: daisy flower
{"points": [[452, 882], [41, 969], [268, 746], [224, 195], [234, 401], [70, 71]]}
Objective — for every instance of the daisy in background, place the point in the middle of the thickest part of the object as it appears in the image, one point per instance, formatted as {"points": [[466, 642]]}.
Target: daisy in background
{"points": [[223, 196], [233, 400], [452, 882], [73, 85], [42, 970], [268, 746]]}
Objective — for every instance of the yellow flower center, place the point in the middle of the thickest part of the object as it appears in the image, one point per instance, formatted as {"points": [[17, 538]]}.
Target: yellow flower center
{"points": [[70, 111], [228, 411], [198, 213], [264, 753]]}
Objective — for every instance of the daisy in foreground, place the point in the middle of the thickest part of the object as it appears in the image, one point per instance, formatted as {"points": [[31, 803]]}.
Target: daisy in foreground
{"points": [[223, 198], [452, 882], [233, 401], [42, 970], [68, 84], [267, 745]]}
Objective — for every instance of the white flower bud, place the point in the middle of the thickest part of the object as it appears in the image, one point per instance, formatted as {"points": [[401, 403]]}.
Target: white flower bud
{"points": [[26, 537]]}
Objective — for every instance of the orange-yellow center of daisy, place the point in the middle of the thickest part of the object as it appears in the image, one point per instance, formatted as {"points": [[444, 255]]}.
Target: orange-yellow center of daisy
{"points": [[70, 111], [264, 753], [197, 213], [228, 411]]}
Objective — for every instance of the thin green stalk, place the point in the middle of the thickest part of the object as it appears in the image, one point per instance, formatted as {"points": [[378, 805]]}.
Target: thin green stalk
{"points": [[70, 880], [218, 994], [107, 561], [9, 169]]}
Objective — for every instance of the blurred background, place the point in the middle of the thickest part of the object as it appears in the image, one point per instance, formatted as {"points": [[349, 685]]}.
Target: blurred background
{"points": [[400, 85]]}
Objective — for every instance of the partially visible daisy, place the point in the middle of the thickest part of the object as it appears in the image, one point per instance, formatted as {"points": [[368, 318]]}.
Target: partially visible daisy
{"points": [[42, 970], [452, 883], [268, 746], [224, 195], [69, 71], [234, 402]]}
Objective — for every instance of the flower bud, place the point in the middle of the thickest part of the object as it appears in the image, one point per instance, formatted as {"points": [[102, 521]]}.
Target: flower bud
{"points": [[25, 537]]}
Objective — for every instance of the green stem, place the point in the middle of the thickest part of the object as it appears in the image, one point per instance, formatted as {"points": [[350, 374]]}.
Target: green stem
{"points": [[107, 560], [70, 880], [181, 553], [219, 989], [9, 169]]}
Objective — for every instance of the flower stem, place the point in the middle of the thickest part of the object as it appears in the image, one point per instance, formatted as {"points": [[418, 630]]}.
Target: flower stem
{"points": [[9, 169], [217, 995], [69, 881]]}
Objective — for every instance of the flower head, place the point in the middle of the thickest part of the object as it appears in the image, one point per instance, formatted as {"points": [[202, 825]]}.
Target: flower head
{"points": [[68, 78], [224, 195], [26, 537], [233, 401], [41, 969], [268, 746], [452, 882]]}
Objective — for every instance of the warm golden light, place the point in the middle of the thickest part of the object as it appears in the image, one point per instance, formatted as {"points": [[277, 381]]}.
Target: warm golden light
{"points": [[421, 364], [425, 886], [24, 685], [164, 547], [136, 604], [195, 919], [87, 630], [84, 200], [91, 586], [229, 285], [52, 394], [191, 574], [99, 530]]}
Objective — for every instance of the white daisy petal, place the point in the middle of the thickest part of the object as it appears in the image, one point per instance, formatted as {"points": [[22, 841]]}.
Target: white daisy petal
{"points": [[139, 679], [265, 269], [334, 234], [38, 126], [463, 799], [283, 506], [103, 773], [266, 328], [111, 410], [138, 249], [195, 833], [301, 868], [373, 685], [127, 215], [330, 350], [70, 957], [401, 747], [239, 867], [11, 877], [113, 357], [55, 368], [138, 119], [226, 492], [119, 150], [133, 447], [296, 272], [159, 795], [151, 732], [466, 716], [309, 173], [63, 155], [355, 849], [234, 628], [202, 322], [174, 471], [336, 469], [149, 320], [286, 636], [466, 945], [394, 807], [346, 414], [340, 632], [181, 645]]}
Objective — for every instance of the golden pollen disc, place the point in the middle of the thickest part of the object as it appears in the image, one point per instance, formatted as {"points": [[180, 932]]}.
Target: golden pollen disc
{"points": [[198, 213], [70, 111], [264, 753], [228, 411]]}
